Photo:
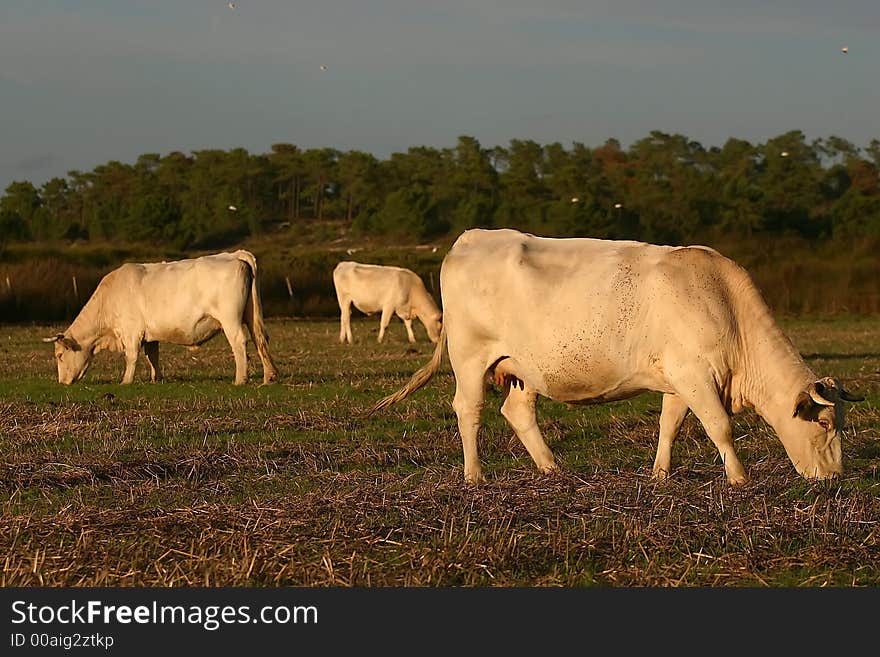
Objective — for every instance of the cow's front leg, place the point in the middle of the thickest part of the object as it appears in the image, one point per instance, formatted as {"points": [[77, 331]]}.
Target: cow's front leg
{"points": [[702, 398], [387, 313], [409, 330], [132, 349], [151, 350], [672, 414]]}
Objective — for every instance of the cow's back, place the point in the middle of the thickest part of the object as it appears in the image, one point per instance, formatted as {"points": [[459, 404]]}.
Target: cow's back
{"points": [[371, 287], [584, 316], [182, 301], [546, 282]]}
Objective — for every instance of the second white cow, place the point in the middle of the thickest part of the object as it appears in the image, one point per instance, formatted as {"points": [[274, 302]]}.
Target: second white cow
{"points": [[388, 290]]}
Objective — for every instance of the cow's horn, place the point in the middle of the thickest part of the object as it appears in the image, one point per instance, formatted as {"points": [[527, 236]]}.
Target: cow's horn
{"points": [[816, 391], [846, 395], [54, 338]]}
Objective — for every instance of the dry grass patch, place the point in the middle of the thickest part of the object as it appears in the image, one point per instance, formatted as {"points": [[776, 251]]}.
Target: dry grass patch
{"points": [[197, 482]]}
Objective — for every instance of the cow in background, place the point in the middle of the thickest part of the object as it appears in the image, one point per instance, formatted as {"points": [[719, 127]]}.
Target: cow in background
{"points": [[385, 289]]}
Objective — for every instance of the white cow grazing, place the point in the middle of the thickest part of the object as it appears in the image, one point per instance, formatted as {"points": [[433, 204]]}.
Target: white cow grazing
{"points": [[186, 302], [588, 321], [389, 290]]}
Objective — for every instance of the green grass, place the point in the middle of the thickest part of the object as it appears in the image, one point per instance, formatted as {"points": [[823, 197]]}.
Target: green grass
{"points": [[195, 481]]}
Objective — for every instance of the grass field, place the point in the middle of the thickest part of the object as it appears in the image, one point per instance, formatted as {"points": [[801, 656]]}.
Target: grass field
{"points": [[197, 482]]}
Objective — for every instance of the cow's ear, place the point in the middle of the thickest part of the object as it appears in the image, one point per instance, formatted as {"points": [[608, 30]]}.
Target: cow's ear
{"points": [[802, 405]]}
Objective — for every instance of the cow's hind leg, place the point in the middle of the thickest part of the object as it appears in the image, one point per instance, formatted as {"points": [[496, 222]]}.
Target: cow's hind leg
{"points": [[344, 319], [260, 337], [519, 410], [261, 340], [151, 350], [701, 395], [235, 334], [468, 405], [673, 412]]}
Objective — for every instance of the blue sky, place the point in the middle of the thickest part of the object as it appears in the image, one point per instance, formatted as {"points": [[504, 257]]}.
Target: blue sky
{"points": [[87, 81]]}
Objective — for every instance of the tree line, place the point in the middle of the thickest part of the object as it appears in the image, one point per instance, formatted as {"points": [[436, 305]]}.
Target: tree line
{"points": [[664, 188]]}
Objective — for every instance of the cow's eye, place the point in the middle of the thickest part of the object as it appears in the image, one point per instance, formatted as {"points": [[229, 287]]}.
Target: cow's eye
{"points": [[825, 424]]}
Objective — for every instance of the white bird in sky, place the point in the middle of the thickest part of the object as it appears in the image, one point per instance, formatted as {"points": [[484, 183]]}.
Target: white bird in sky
{"points": [[323, 67], [231, 5], [233, 208], [844, 50], [574, 199], [784, 154], [618, 205]]}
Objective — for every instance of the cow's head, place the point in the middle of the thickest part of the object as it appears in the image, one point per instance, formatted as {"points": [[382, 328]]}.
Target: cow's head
{"points": [[433, 323], [820, 417], [72, 360]]}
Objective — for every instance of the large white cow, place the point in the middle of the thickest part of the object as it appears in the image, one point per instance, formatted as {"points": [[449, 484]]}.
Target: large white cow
{"points": [[385, 289], [588, 321], [186, 302]]}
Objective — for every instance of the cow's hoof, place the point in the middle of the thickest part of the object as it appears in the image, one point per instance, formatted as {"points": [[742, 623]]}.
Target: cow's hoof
{"points": [[660, 474], [476, 479], [737, 480]]}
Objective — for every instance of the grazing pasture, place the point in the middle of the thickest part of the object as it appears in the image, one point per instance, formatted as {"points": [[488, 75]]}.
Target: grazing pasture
{"points": [[195, 481]]}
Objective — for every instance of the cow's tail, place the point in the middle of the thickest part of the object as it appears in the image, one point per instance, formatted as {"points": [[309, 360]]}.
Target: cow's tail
{"points": [[419, 379], [253, 317]]}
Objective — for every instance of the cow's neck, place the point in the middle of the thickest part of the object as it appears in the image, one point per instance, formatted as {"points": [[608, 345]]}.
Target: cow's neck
{"points": [[88, 326], [774, 372], [420, 307]]}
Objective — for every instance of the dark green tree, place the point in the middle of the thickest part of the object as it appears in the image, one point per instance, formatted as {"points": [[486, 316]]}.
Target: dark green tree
{"points": [[22, 206], [320, 165], [357, 174], [289, 168]]}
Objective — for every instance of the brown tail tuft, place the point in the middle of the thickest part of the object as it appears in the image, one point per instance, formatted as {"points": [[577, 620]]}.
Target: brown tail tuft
{"points": [[419, 379]]}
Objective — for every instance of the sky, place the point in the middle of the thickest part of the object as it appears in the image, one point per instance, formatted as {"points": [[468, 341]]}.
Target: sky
{"points": [[83, 82]]}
